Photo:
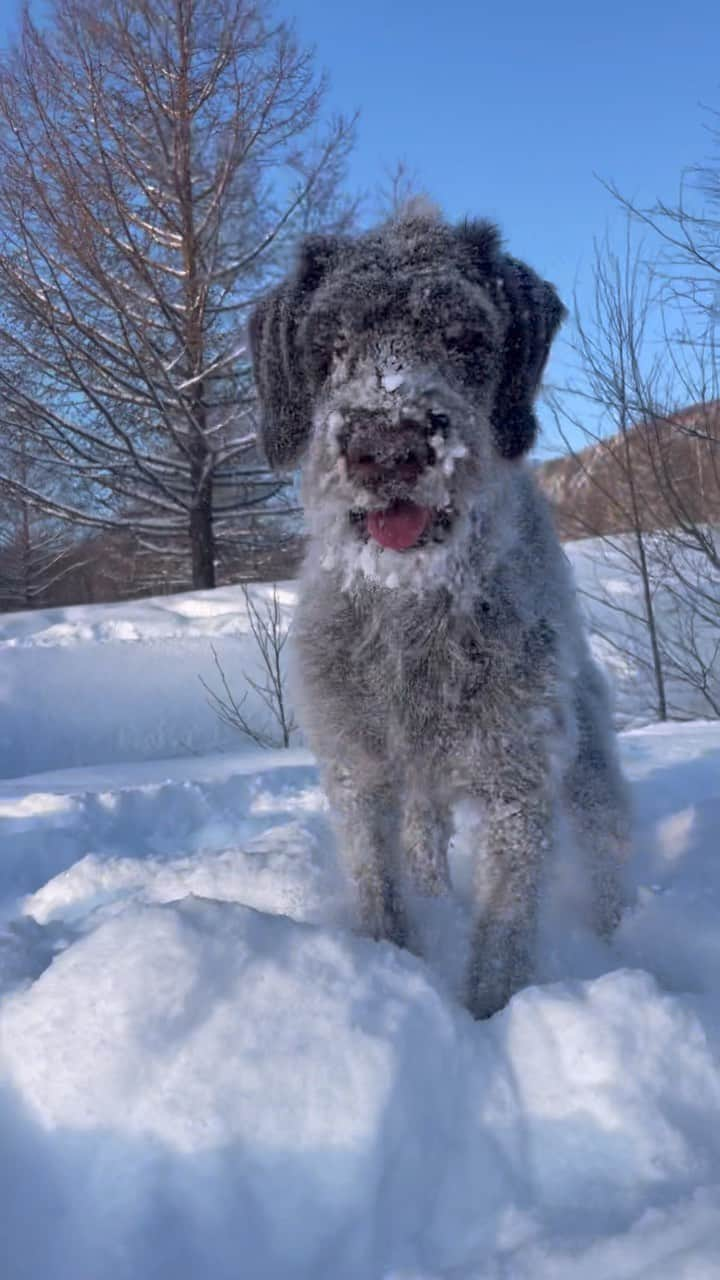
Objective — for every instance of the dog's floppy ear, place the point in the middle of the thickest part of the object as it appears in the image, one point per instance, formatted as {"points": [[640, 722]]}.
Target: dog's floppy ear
{"points": [[535, 314], [281, 380]]}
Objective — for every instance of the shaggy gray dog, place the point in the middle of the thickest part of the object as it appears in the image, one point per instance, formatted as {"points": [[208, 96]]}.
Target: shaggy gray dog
{"points": [[441, 655]]}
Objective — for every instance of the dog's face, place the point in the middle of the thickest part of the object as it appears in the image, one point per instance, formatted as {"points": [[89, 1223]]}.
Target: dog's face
{"points": [[401, 367]]}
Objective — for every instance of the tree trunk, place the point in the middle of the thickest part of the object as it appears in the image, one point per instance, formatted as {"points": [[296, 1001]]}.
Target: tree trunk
{"points": [[26, 552], [202, 537], [658, 672], [650, 618]]}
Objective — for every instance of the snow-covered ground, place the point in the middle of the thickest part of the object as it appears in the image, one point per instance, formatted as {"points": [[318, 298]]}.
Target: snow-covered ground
{"points": [[66, 676], [205, 1072], [686, 603]]}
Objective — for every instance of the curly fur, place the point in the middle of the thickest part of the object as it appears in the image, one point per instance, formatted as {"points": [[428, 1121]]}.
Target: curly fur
{"points": [[457, 669]]}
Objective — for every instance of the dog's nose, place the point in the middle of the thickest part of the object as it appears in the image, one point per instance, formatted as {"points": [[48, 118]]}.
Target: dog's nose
{"points": [[403, 455]]}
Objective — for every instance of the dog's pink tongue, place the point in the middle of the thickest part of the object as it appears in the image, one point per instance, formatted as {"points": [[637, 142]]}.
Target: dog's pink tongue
{"points": [[400, 526]]}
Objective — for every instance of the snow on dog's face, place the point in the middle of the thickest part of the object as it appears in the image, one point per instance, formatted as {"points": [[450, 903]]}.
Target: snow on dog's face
{"points": [[401, 367]]}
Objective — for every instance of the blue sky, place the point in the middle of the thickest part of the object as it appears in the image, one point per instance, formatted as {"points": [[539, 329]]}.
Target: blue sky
{"points": [[510, 110]]}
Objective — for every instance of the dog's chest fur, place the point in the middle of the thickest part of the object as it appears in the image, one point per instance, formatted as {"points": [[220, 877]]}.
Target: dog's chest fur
{"points": [[420, 673]]}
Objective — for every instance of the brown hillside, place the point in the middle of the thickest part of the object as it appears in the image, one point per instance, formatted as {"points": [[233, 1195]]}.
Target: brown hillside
{"points": [[669, 468]]}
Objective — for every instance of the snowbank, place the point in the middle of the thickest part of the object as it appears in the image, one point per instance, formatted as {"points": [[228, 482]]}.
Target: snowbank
{"points": [[214, 1089], [204, 1071], [121, 682], [612, 602]]}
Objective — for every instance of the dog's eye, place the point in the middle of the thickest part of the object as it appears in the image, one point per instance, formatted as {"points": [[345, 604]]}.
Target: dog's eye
{"points": [[438, 422], [464, 342]]}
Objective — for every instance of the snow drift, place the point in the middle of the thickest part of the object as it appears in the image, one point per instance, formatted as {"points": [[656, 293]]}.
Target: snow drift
{"points": [[204, 1071]]}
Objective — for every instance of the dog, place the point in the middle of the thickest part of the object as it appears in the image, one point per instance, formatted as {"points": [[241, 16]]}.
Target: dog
{"points": [[441, 654]]}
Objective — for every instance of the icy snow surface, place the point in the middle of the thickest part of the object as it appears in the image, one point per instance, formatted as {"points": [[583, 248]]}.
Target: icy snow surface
{"points": [[204, 1072]]}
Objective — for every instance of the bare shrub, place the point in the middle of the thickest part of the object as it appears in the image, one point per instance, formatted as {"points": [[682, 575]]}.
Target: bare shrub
{"points": [[270, 631]]}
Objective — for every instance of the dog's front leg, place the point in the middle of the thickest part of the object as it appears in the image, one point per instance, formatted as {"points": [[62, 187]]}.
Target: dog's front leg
{"points": [[426, 832], [363, 801], [509, 859]]}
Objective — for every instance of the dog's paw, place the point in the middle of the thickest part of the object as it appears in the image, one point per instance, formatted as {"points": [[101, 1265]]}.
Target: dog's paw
{"points": [[383, 917], [500, 965]]}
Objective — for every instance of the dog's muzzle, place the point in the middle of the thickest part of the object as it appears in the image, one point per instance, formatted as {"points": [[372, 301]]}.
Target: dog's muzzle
{"points": [[400, 461], [388, 465]]}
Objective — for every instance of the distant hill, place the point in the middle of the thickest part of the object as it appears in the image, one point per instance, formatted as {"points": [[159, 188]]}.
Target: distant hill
{"points": [[670, 468]]}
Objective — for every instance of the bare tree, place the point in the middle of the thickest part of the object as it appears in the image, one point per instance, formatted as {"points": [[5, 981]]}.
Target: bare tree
{"points": [[618, 377], [647, 484], [270, 631], [686, 233], [685, 445], [35, 547], [690, 597], [401, 194], [157, 158], [398, 187]]}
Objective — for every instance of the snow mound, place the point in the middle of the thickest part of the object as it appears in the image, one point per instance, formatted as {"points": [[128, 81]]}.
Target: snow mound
{"points": [[89, 685], [205, 1072], [49, 823], [281, 872], [214, 1089]]}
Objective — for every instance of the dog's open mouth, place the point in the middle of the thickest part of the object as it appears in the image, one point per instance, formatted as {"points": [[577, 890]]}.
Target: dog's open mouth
{"points": [[402, 525], [399, 526]]}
